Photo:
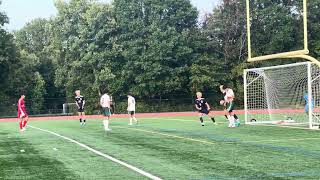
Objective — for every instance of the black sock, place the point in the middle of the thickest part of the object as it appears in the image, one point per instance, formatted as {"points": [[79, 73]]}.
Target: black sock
{"points": [[201, 120], [84, 120], [226, 116], [80, 120], [213, 119], [235, 116]]}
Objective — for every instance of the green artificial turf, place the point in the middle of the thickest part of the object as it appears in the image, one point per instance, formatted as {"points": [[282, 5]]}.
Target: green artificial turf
{"points": [[170, 148]]}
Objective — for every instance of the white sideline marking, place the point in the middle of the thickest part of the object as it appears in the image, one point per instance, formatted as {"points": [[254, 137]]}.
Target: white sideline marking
{"points": [[283, 126], [101, 154], [209, 142], [168, 135]]}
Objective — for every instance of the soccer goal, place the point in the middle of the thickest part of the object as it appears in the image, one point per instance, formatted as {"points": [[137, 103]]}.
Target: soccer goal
{"points": [[69, 108], [286, 94]]}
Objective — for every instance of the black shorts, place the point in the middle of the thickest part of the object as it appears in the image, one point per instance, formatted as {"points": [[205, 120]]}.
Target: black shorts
{"points": [[80, 109], [204, 111], [131, 112]]}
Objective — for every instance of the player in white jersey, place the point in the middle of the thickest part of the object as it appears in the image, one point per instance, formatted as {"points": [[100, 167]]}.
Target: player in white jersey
{"points": [[131, 108], [228, 102], [105, 103]]}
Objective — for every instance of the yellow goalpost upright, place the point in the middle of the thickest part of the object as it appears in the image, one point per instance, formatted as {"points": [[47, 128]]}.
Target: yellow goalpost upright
{"points": [[292, 54], [286, 94]]}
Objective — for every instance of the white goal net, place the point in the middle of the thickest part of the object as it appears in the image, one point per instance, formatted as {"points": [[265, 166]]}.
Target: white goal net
{"points": [[286, 94], [69, 108]]}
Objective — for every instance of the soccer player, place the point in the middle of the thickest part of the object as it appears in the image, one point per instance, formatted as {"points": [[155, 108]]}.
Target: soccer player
{"points": [[224, 103], [203, 108], [80, 102], [105, 103], [131, 108], [306, 107], [22, 113], [229, 105]]}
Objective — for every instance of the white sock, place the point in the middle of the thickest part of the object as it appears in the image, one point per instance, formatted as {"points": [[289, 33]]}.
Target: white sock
{"points": [[106, 124], [134, 118], [231, 121], [130, 120]]}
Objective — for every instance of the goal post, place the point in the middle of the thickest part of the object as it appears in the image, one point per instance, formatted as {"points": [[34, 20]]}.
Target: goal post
{"points": [[300, 53], [285, 94], [290, 54], [69, 108]]}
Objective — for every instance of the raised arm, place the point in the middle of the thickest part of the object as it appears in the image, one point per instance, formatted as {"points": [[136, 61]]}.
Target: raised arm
{"points": [[101, 101]]}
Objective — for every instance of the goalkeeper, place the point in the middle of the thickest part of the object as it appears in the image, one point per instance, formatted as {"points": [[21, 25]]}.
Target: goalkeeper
{"points": [[306, 107]]}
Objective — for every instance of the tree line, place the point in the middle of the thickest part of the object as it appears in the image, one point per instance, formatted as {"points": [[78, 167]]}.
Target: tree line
{"points": [[152, 48]]}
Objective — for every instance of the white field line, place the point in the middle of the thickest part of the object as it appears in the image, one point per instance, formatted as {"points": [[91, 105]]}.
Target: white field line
{"points": [[283, 126], [210, 142], [101, 154], [168, 135], [279, 126]]}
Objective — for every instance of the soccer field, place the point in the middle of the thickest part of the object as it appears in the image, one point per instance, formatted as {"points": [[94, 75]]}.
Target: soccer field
{"points": [[167, 148]]}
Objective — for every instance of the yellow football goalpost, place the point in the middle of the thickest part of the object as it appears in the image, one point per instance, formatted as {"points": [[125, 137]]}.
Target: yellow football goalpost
{"points": [[292, 54], [286, 93]]}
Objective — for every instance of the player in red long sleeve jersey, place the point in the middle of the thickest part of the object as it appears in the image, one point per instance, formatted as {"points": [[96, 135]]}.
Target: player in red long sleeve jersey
{"points": [[22, 113]]}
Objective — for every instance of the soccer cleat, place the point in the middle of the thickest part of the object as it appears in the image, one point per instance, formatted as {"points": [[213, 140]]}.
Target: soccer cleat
{"points": [[202, 124], [130, 124], [238, 124], [108, 129]]}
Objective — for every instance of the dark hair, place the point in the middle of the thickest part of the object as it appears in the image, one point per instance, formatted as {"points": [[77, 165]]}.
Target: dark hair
{"points": [[104, 91], [22, 93], [130, 94], [224, 86]]}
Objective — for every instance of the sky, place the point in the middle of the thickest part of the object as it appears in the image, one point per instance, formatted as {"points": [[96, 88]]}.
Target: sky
{"points": [[22, 11]]}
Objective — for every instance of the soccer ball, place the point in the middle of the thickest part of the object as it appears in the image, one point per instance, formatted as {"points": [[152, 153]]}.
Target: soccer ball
{"points": [[222, 102]]}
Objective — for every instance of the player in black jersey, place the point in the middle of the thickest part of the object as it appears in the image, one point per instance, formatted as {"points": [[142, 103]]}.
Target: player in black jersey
{"points": [[80, 102], [203, 108]]}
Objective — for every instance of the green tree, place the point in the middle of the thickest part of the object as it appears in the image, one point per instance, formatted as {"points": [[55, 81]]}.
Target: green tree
{"points": [[34, 39], [85, 52], [37, 93], [224, 47], [155, 41], [7, 61]]}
